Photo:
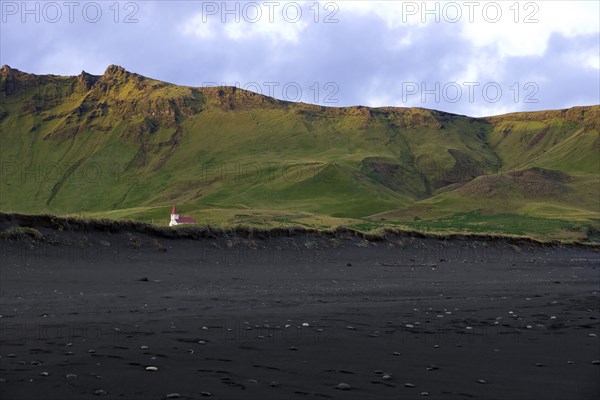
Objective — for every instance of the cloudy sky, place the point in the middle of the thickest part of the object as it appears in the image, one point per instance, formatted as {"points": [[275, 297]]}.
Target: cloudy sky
{"points": [[469, 57]]}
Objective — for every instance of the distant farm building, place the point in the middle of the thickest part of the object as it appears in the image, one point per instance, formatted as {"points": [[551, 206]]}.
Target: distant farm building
{"points": [[176, 220]]}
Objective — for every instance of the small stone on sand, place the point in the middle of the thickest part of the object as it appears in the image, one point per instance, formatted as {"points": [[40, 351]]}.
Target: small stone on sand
{"points": [[386, 377], [343, 386], [409, 385], [596, 362], [483, 382], [151, 368], [100, 392], [424, 393], [274, 384]]}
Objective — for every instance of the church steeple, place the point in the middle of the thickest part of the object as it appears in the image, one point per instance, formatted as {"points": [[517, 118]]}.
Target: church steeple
{"points": [[174, 213]]}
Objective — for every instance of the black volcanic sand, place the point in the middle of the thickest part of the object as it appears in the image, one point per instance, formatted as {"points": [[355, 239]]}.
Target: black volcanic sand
{"points": [[291, 318]]}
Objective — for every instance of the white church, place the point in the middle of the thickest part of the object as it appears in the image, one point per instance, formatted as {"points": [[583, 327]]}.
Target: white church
{"points": [[176, 220]]}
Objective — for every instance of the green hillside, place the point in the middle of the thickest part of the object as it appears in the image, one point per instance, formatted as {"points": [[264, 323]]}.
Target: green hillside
{"points": [[122, 145]]}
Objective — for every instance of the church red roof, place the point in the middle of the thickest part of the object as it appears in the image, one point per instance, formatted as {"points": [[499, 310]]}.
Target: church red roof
{"points": [[186, 220]]}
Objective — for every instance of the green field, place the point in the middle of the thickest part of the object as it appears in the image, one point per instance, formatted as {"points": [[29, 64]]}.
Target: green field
{"points": [[123, 146]]}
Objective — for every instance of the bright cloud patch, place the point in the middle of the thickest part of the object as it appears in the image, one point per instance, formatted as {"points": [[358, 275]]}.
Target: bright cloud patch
{"points": [[526, 27], [245, 21]]}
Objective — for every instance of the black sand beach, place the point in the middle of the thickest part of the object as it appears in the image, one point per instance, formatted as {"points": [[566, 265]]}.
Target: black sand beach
{"points": [[85, 315]]}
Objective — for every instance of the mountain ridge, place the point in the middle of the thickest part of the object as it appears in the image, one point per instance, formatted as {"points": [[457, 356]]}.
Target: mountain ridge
{"points": [[114, 70], [163, 137]]}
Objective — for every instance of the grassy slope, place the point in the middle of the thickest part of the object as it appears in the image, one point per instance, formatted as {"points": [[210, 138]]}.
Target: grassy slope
{"points": [[125, 146]]}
